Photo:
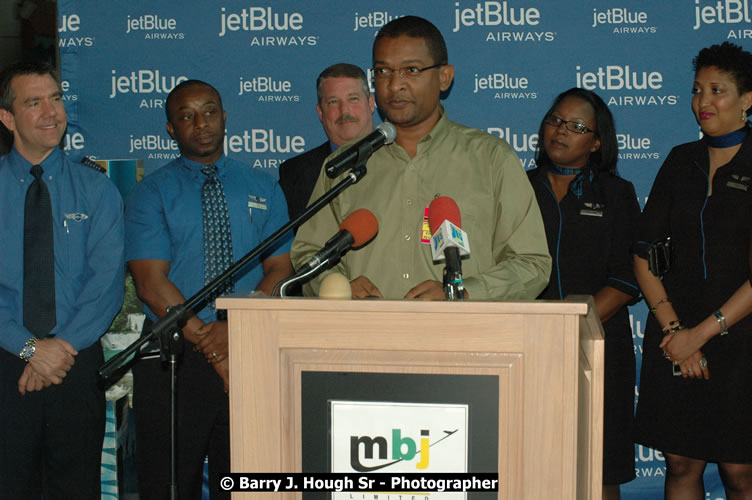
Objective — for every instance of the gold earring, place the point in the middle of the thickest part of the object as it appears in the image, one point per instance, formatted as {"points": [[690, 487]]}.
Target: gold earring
{"points": [[744, 115]]}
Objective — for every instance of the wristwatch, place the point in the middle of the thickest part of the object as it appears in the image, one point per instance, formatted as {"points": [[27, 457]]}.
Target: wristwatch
{"points": [[28, 350]]}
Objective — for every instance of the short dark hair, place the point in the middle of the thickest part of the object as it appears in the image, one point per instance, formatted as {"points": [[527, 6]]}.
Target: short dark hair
{"points": [[417, 27], [22, 68], [730, 58], [342, 70], [184, 85], [603, 160]]}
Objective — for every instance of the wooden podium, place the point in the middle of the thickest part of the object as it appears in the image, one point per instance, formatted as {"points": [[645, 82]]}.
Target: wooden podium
{"points": [[548, 357]]}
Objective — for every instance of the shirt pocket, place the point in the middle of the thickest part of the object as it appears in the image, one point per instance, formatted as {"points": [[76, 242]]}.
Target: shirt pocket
{"points": [[75, 231]]}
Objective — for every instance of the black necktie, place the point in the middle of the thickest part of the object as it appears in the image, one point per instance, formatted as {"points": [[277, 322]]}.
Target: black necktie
{"points": [[39, 258]]}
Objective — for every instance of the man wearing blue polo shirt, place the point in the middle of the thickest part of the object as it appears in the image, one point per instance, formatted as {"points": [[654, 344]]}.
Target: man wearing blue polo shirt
{"points": [[54, 305], [185, 224]]}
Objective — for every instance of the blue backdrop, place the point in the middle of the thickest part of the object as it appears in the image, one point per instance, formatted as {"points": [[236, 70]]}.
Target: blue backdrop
{"points": [[120, 59]]}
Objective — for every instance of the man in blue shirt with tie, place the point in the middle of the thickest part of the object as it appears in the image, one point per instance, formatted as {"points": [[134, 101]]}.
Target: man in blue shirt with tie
{"points": [[53, 412], [185, 224]]}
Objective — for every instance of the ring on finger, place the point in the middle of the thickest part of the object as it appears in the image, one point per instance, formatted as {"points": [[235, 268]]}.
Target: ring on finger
{"points": [[703, 362], [214, 354]]}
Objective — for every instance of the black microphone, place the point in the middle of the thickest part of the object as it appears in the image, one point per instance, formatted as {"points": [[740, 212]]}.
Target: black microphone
{"points": [[385, 133]]}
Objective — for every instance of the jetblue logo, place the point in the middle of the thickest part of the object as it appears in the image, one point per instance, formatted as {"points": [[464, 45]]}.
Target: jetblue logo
{"points": [[494, 13], [275, 24], [143, 81], [267, 89], [259, 19], [635, 148], [618, 78], [153, 27], [152, 142], [501, 15], [504, 86], [373, 20], [73, 141], [149, 22], [721, 12], [624, 78], [68, 31], [623, 20], [67, 95]]}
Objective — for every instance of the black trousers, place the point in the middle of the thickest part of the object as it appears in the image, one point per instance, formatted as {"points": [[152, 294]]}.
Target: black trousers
{"points": [[203, 427], [51, 440]]}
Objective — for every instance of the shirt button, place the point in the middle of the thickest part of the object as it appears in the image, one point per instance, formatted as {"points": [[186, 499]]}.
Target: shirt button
{"points": [[409, 202], [407, 237], [406, 276]]}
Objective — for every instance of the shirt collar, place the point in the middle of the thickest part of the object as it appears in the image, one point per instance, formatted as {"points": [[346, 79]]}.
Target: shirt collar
{"points": [[437, 133], [195, 167], [439, 130], [52, 165]]}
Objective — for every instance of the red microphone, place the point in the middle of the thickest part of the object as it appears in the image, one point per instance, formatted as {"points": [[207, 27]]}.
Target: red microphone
{"points": [[449, 242], [441, 209]]}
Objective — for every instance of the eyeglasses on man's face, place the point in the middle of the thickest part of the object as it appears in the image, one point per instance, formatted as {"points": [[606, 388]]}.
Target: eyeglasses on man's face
{"points": [[577, 127], [384, 73]]}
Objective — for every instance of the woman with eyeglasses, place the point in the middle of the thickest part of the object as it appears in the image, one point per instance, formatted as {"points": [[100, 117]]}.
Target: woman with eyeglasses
{"points": [[695, 402], [589, 213]]}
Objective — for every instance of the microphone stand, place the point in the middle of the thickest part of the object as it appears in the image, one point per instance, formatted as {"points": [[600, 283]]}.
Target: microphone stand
{"points": [[454, 289], [168, 330]]}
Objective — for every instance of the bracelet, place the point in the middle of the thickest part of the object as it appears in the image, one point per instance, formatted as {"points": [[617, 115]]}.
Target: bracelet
{"points": [[673, 326], [28, 350], [677, 329], [721, 319], [664, 300]]}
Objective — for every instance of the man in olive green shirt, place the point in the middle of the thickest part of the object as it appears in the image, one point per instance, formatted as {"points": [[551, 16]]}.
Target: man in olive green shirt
{"points": [[432, 156]]}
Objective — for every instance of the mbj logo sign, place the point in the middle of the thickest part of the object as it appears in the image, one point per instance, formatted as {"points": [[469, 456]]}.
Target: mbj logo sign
{"points": [[398, 437], [403, 448]]}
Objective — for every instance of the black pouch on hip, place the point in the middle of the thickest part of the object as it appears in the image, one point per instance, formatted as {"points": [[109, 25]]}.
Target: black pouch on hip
{"points": [[659, 256]]}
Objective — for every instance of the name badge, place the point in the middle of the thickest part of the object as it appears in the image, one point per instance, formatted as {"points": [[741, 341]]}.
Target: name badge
{"points": [[592, 210], [425, 231], [740, 182], [737, 185], [592, 213]]}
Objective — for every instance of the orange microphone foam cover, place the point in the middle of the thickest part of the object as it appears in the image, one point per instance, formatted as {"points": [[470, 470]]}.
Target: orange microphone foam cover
{"points": [[363, 226]]}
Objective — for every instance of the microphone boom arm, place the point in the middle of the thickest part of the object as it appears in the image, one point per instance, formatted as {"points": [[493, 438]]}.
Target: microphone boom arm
{"points": [[168, 328]]}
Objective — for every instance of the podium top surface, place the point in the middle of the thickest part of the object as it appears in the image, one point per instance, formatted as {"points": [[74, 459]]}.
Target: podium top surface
{"points": [[578, 305]]}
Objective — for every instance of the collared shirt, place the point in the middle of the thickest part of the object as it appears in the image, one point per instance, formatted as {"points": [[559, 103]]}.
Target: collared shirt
{"points": [[87, 214], [164, 221], [508, 254]]}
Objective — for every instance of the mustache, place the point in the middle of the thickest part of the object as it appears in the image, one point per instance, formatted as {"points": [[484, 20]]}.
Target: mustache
{"points": [[346, 119]]}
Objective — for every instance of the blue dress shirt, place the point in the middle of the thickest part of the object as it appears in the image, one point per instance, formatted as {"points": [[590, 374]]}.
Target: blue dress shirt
{"points": [[164, 221], [87, 214]]}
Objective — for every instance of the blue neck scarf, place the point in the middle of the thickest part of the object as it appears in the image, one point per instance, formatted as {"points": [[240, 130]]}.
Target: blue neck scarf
{"points": [[575, 187], [728, 140]]}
